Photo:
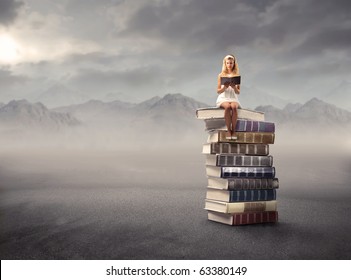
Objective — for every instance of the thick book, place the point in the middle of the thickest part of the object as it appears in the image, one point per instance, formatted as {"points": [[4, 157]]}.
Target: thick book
{"points": [[240, 207], [240, 172], [235, 148], [241, 125], [241, 196], [243, 137], [215, 112], [243, 183], [238, 160], [235, 80], [236, 219]]}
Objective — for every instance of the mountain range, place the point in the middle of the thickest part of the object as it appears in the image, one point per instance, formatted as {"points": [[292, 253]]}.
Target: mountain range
{"points": [[340, 96], [23, 114], [313, 113], [170, 113]]}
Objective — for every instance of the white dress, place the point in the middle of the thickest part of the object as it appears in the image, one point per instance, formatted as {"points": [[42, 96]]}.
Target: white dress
{"points": [[228, 95]]}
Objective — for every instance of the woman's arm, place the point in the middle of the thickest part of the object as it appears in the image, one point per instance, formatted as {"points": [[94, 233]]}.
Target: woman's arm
{"points": [[220, 89], [237, 89]]}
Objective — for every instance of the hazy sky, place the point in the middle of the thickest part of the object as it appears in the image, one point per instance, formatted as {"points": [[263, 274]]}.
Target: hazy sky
{"points": [[107, 49]]}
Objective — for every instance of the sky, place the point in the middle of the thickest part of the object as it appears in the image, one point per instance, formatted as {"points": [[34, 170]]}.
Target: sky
{"points": [[77, 50]]}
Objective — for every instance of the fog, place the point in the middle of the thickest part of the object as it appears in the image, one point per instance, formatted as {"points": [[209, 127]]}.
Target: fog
{"points": [[88, 193]]}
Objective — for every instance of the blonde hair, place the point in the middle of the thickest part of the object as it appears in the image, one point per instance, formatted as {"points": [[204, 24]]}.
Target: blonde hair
{"points": [[224, 66]]}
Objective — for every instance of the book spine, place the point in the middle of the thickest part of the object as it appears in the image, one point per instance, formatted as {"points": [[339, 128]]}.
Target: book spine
{"points": [[244, 137], [256, 206], [252, 195], [241, 125], [254, 126], [255, 218], [246, 172], [252, 184], [242, 160], [235, 148]]}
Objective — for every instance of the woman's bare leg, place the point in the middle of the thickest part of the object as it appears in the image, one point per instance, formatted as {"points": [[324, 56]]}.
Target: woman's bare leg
{"points": [[228, 117], [234, 117]]}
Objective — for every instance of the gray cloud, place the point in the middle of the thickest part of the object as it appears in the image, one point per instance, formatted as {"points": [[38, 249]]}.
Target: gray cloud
{"points": [[8, 79], [177, 46], [8, 11], [211, 25]]}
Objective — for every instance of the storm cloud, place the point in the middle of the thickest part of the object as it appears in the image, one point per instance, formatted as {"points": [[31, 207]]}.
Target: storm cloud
{"points": [[9, 11], [98, 47]]}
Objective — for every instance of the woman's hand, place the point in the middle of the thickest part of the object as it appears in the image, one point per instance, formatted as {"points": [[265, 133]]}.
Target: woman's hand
{"points": [[236, 88], [227, 84]]}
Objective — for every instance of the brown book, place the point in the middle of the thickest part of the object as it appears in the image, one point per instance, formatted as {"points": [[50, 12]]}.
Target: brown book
{"points": [[243, 137], [244, 218], [235, 148]]}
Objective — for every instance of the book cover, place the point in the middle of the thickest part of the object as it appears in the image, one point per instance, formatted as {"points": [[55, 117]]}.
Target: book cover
{"points": [[242, 183], [241, 196], [241, 125], [236, 219], [240, 207], [215, 112], [243, 137], [240, 172], [235, 148], [235, 80], [238, 160]]}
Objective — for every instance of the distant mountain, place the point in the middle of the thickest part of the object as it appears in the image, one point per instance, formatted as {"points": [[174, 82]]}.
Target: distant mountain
{"points": [[314, 112], [21, 113], [251, 97], [175, 103], [292, 107], [171, 111], [60, 95], [126, 97], [274, 114], [150, 102], [340, 96], [2, 104], [96, 109]]}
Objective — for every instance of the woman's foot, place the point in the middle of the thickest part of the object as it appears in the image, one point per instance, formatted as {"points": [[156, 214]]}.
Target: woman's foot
{"points": [[234, 137], [228, 135]]}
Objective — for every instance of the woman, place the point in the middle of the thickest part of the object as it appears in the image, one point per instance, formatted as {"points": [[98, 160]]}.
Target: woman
{"points": [[228, 99]]}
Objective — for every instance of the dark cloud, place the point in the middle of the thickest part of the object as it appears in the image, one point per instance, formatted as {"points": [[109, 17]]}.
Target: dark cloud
{"points": [[212, 25], [8, 11], [195, 24], [319, 23], [327, 39], [149, 46]]}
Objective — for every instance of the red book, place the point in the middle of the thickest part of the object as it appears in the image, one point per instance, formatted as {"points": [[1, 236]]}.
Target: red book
{"points": [[236, 219]]}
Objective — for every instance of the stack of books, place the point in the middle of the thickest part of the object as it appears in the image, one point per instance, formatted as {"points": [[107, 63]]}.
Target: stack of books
{"points": [[241, 177]]}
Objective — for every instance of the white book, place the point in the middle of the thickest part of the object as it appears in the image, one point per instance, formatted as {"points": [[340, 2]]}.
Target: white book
{"points": [[215, 112], [240, 207]]}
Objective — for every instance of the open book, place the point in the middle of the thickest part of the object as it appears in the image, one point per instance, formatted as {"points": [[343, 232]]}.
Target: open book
{"points": [[235, 80]]}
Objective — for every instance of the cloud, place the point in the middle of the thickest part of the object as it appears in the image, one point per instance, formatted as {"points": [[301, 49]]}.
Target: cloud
{"points": [[7, 79], [9, 11], [178, 46], [12, 85]]}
